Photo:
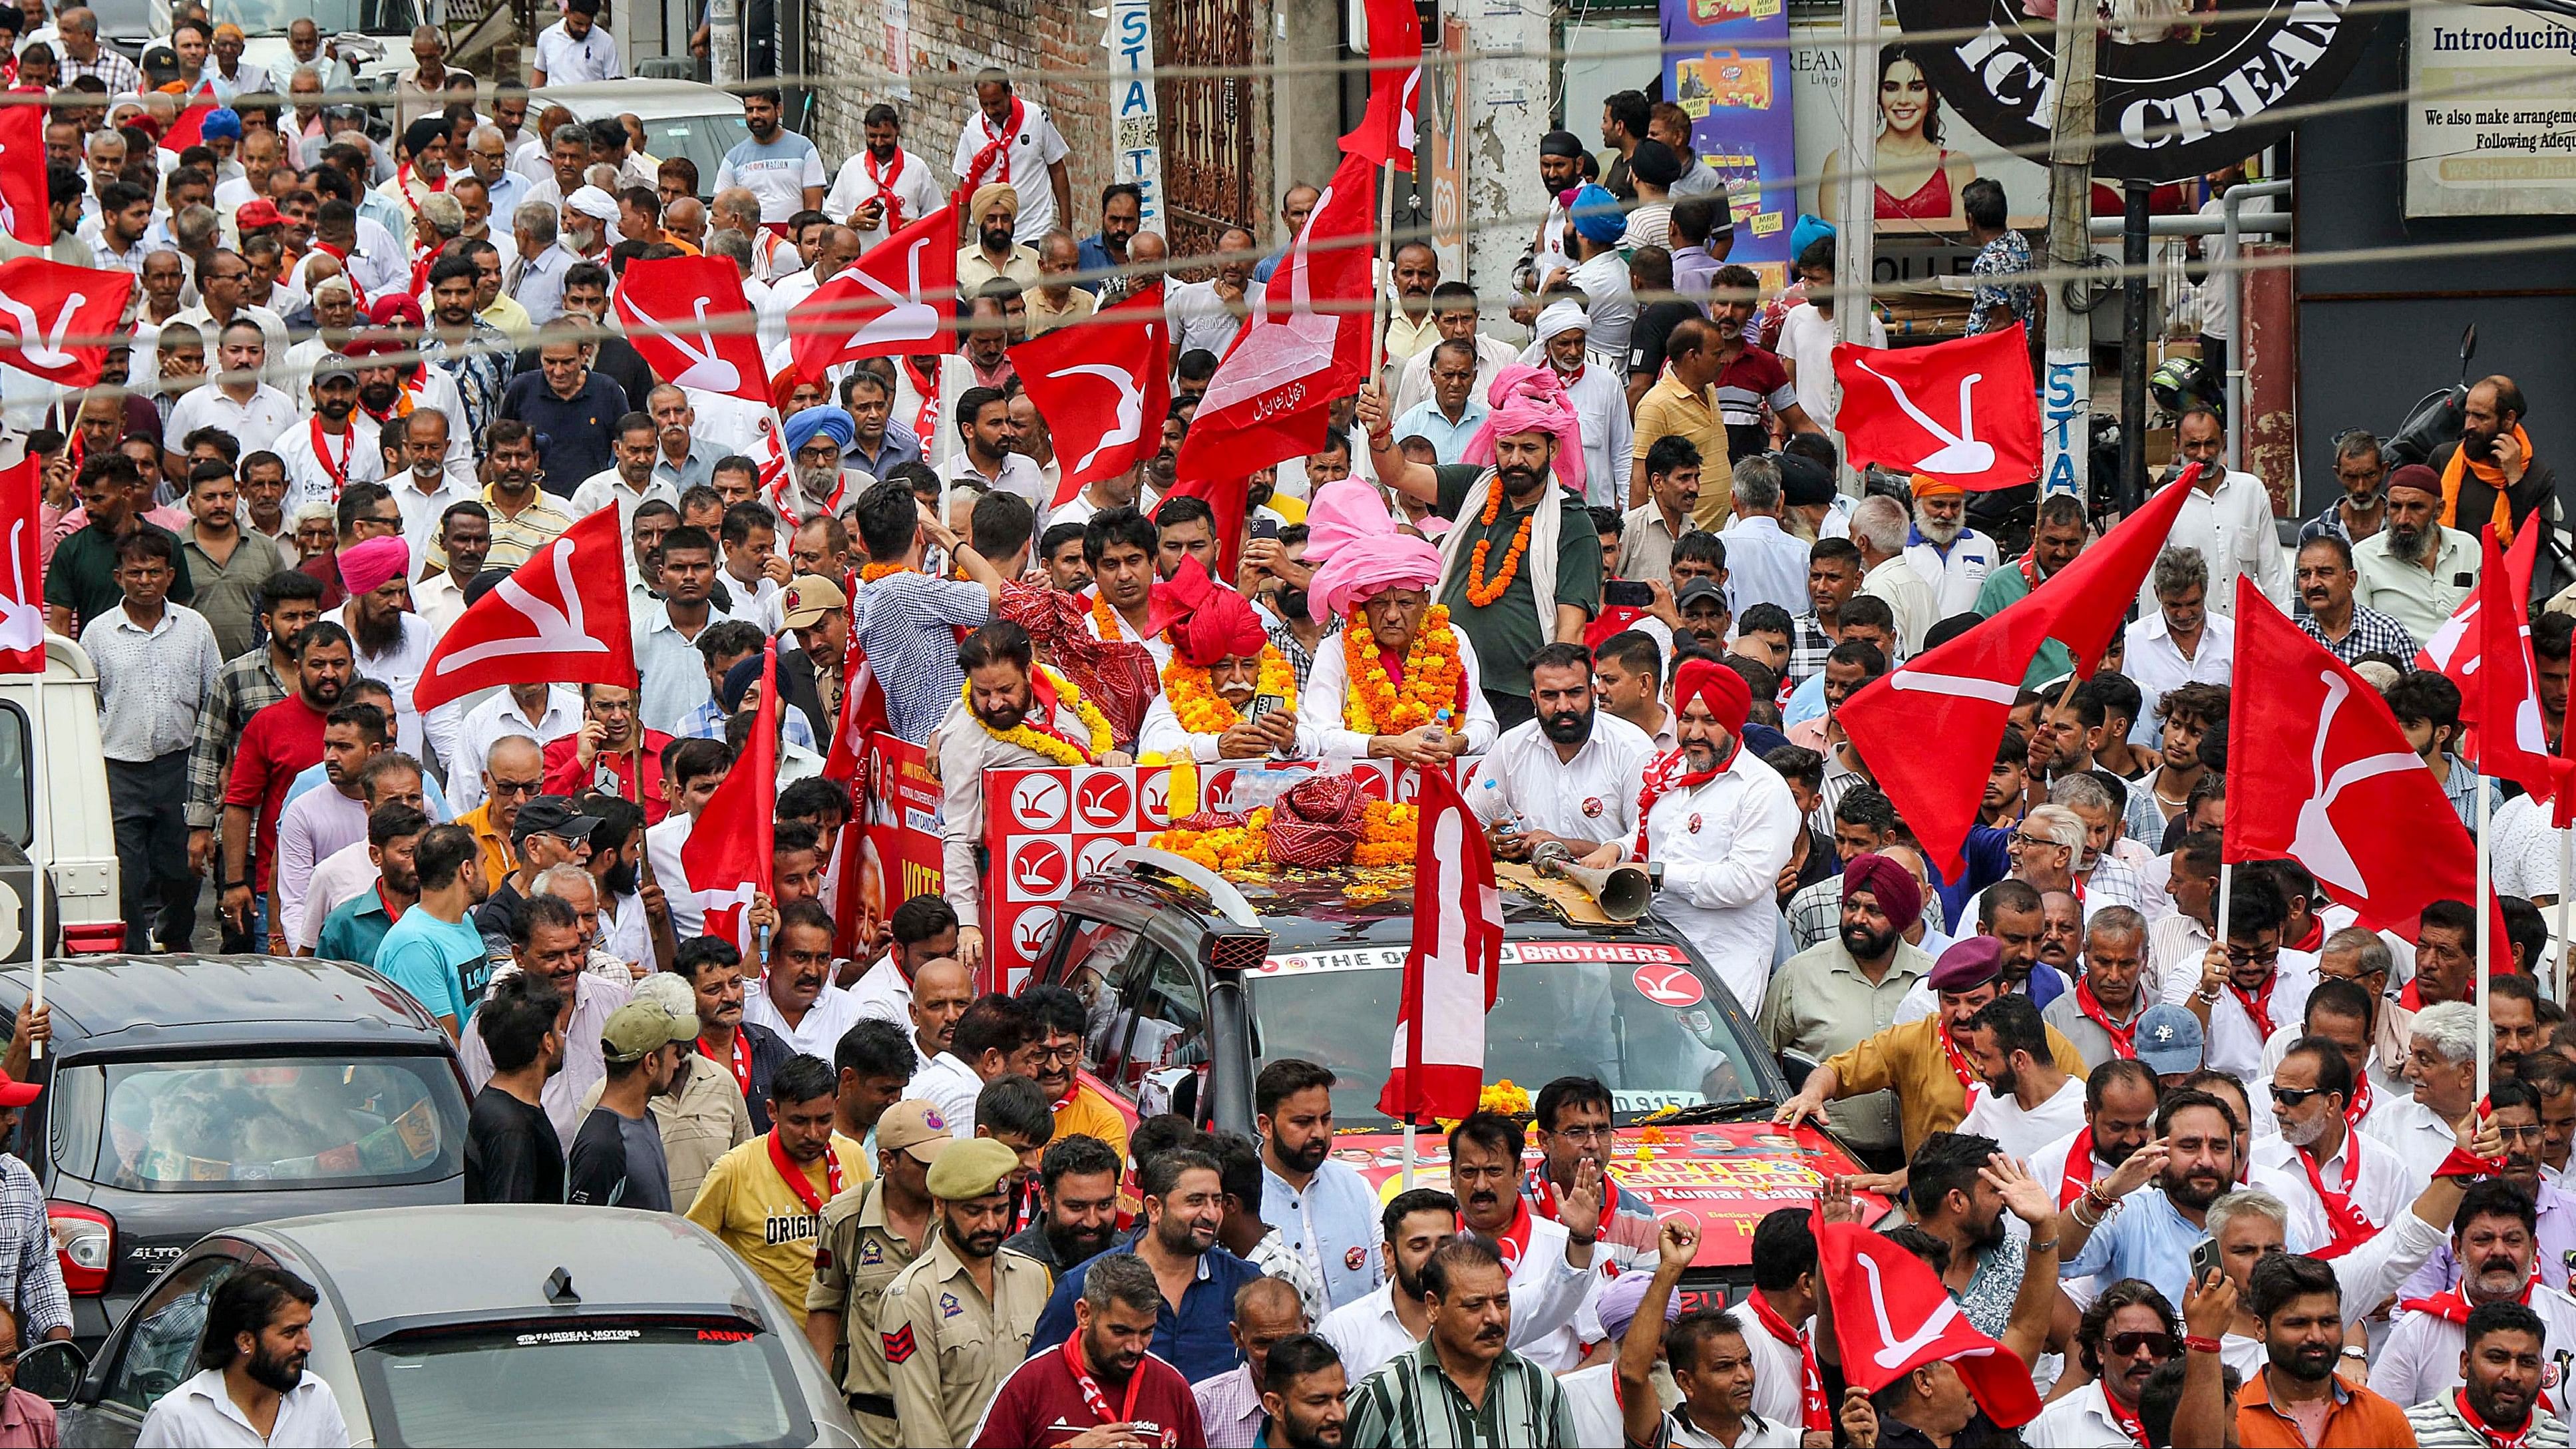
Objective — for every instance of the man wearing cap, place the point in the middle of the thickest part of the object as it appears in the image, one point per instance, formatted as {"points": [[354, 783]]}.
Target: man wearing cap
{"points": [[2416, 570], [871, 1233], [1721, 824], [702, 1114], [1922, 1061], [616, 1158], [587, 216], [336, 446], [1943, 550], [957, 1321], [1826, 999], [995, 211], [546, 832]]}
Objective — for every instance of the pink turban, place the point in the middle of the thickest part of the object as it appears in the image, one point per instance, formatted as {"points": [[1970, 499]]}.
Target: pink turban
{"points": [[1341, 512], [1532, 400], [365, 567]]}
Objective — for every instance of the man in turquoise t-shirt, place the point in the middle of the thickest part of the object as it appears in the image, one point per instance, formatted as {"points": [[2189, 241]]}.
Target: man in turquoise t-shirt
{"points": [[434, 952], [356, 928]]}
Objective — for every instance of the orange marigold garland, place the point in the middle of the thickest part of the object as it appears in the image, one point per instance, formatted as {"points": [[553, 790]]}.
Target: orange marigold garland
{"points": [[1039, 742], [1386, 838], [1482, 591], [1434, 679], [1386, 834], [876, 571], [1203, 711], [1105, 619]]}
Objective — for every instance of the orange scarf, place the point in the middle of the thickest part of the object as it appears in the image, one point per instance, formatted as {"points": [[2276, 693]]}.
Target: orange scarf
{"points": [[2462, 464]]}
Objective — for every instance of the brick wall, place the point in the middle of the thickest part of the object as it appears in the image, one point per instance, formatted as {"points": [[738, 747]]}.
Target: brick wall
{"points": [[950, 41]]}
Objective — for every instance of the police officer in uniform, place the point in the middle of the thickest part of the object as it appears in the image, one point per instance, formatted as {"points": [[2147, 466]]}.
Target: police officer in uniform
{"points": [[956, 1322], [870, 1234]]}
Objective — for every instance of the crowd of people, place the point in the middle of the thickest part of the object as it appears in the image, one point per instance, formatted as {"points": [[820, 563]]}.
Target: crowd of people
{"points": [[1585, 544]]}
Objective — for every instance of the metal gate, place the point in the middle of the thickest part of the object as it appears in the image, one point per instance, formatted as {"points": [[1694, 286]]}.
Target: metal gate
{"points": [[1210, 123]]}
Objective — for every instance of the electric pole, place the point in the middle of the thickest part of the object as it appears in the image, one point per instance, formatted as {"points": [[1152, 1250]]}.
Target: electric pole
{"points": [[2066, 389]]}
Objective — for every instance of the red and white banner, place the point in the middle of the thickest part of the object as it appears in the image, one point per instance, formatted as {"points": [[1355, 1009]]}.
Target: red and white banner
{"points": [[1385, 135], [2512, 743], [1105, 384], [2318, 771], [24, 194], [1307, 346], [1892, 1316], [55, 319], [22, 604], [1964, 411], [560, 617], [897, 300], [727, 855], [1453, 971], [689, 318]]}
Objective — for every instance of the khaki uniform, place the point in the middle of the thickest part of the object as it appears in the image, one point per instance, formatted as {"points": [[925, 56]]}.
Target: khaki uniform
{"points": [[858, 1257], [947, 1348]]}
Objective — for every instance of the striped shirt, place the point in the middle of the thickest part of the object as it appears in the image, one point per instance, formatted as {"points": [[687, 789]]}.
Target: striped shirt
{"points": [[908, 625], [31, 1277], [2438, 1425], [1408, 1402], [2372, 632], [1808, 647], [516, 536]]}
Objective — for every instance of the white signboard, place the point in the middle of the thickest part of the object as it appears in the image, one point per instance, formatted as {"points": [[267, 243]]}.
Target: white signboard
{"points": [[1135, 127], [2491, 130]]}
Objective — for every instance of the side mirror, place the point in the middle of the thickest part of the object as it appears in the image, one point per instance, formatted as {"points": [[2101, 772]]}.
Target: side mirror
{"points": [[1797, 1066], [53, 1370]]}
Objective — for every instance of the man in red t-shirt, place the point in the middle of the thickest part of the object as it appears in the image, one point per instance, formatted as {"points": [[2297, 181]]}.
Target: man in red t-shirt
{"points": [[279, 743], [601, 754], [1102, 1377]]}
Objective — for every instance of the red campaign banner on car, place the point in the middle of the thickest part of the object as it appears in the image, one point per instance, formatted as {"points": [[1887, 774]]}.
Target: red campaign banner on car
{"points": [[900, 855]]}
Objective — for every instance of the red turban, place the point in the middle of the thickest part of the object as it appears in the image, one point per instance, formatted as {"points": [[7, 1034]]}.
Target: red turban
{"points": [[1722, 689], [1218, 621]]}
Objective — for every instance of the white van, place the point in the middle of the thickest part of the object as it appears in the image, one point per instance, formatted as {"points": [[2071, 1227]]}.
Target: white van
{"points": [[70, 785]]}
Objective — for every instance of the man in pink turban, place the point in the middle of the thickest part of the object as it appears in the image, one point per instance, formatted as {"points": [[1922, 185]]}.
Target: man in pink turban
{"points": [[1377, 581], [1221, 638], [1521, 567], [1721, 823], [393, 643]]}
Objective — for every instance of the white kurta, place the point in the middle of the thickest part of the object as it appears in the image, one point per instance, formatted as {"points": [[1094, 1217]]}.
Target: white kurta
{"points": [[1957, 574], [2381, 1182], [1590, 797], [2233, 530], [2234, 1041], [1723, 846], [1328, 687]]}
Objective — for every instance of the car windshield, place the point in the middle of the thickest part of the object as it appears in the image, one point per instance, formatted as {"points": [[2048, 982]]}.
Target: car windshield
{"points": [[1578, 1008], [253, 1124], [270, 17], [465, 1387]]}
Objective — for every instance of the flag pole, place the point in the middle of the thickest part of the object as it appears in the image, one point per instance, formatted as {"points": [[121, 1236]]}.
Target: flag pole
{"points": [[41, 841], [1384, 277], [2566, 868], [1408, 1152], [2486, 861], [2226, 881]]}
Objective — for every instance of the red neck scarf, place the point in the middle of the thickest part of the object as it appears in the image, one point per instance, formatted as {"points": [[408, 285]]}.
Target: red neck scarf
{"points": [[2127, 1419], [1042, 718], [339, 470], [2124, 1043], [2451, 1305], [2079, 1169], [2359, 1107], [2496, 1436], [1092, 1397], [1813, 1414], [2344, 1221], [996, 152], [2258, 1005], [1668, 775], [741, 1059], [1512, 1241], [884, 183], [925, 423], [1958, 1062], [799, 1181], [392, 912]]}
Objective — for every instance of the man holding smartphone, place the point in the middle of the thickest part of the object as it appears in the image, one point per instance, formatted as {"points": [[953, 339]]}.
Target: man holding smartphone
{"points": [[1227, 692]]}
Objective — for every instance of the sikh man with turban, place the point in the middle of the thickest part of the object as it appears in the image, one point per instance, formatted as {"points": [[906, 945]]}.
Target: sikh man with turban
{"points": [[1827, 998], [1222, 664], [393, 643], [994, 211], [1722, 824], [1944, 551], [817, 483], [1401, 681], [1521, 566]]}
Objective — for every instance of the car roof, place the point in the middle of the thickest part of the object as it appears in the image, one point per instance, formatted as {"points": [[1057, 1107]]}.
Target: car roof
{"points": [[1309, 910], [225, 997], [644, 99], [617, 1260]]}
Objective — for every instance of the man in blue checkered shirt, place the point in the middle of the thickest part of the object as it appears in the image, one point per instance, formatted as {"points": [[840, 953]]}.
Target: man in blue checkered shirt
{"points": [[2348, 630], [31, 1277], [908, 621]]}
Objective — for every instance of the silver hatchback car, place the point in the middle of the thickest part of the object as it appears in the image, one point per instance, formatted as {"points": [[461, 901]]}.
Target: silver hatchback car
{"points": [[484, 1325]]}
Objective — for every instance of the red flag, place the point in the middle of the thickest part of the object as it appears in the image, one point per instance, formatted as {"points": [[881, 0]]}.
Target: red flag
{"points": [[2510, 742], [24, 212], [727, 855], [898, 300], [43, 302], [1225, 499], [561, 616], [1453, 969], [1929, 728], [2456, 648], [676, 309], [1105, 385], [1385, 135], [1965, 411], [863, 705], [22, 605], [2318, 770], [1892, 1316], [189, 128], [1307, 346]]}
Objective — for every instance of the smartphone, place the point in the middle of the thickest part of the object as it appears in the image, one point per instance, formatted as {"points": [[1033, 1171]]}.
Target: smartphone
{"points": [[1263, 704], [2204, 1261], [1265, 528], [1627, 594]]}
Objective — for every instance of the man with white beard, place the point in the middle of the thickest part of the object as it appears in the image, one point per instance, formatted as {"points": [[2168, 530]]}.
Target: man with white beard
{"points": [[1943, 550]]}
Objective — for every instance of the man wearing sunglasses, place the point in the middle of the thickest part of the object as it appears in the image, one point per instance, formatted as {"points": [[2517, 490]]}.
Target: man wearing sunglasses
{"points": [[2340, 1186], [2127, 1332], [2247, 986]]}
